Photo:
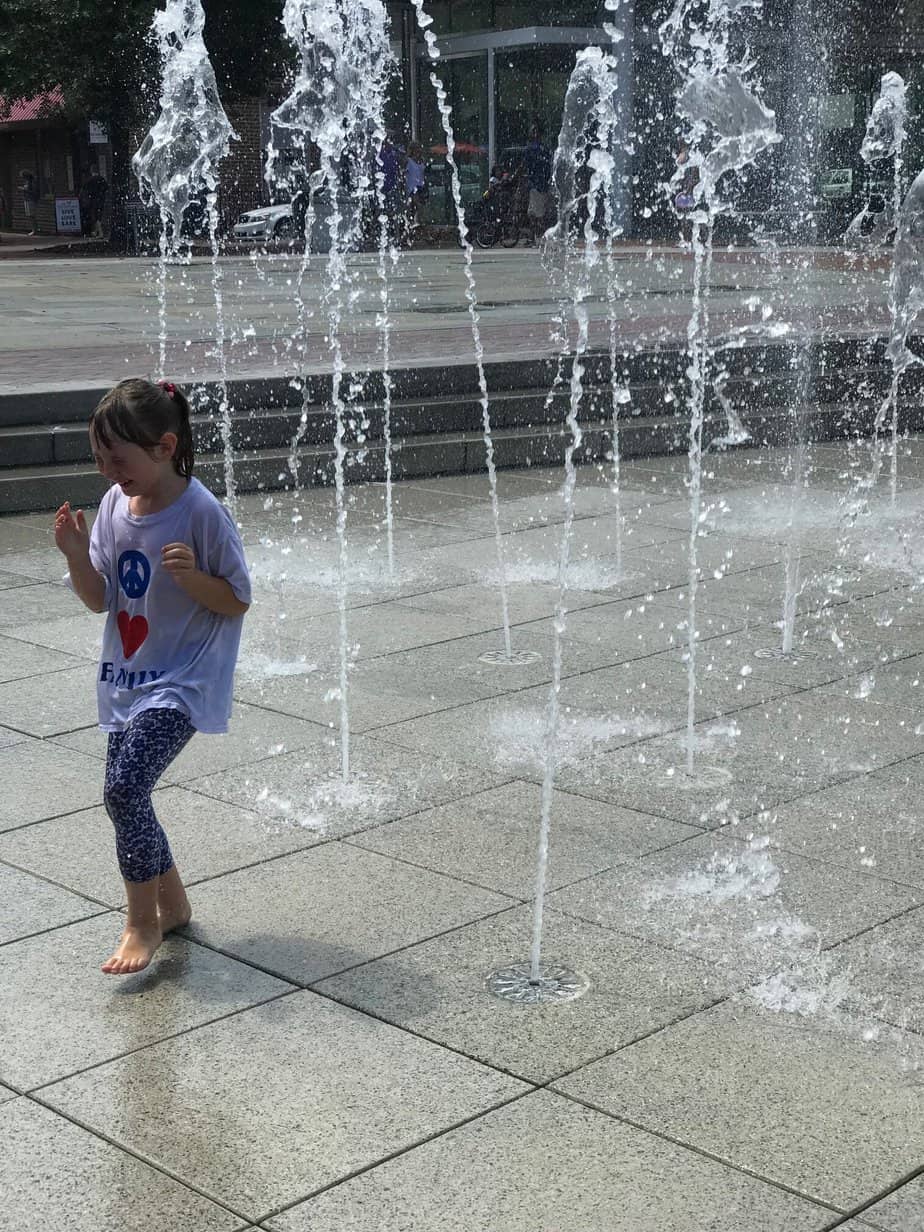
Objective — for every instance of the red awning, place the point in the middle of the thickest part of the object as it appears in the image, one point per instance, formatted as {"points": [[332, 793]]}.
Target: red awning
{"points": [[24, 110]]}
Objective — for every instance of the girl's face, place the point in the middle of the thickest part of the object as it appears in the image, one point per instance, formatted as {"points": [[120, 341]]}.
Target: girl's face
{"points": [[138, 471]]}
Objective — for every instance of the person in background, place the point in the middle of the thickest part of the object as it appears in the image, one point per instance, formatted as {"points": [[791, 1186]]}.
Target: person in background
{"points": [[30, 197], [415, 170], [537, 163], [685, 179], [95, 191], [389, 165]]}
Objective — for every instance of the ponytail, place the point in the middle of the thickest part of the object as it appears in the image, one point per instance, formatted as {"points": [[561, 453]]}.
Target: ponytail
{"points": [[184, 459]]}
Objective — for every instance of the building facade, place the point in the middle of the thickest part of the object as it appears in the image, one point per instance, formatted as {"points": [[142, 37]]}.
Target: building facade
{"points": [[818, 63], [507, 63]]}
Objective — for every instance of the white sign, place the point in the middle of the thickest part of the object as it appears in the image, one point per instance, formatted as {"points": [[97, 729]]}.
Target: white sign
{"points": [[98, 134], [67, 216], [836, 183]]}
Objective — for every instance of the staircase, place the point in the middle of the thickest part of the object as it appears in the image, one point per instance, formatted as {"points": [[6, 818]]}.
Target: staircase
{"points": [[436, 419]]}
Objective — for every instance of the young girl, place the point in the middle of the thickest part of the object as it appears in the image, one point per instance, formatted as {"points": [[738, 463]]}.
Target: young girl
{"points": [[165, 561]]}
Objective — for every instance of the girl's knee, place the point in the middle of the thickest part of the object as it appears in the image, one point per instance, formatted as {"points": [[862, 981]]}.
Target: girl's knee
{"points": [[122, 799]]}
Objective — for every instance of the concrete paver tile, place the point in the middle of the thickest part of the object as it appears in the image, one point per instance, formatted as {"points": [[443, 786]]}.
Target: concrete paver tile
{"points": [[9, 581], [886, 971], [335, 1091], [491, 839], [9, 737], [18, 535], [21, 660], [254, 735], [878, 828], [52, 703], [901, 1211], [747, 906], [544, 1162], [437, 989], [306, 788], [30, 905], [757, 760], [60, 1013], [79, 632], [44, 780], [290, 916], [208, 837], [92, 1184], [854, 1113], [26, 604]]}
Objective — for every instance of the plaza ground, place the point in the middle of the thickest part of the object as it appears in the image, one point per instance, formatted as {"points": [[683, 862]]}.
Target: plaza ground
{"points": [[317, 1049], [85, 322]]}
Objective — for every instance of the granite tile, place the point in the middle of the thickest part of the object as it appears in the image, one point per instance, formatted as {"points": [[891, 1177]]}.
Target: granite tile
{"points": [[491, 839], [30, 905], [92, 1185], [208, 837], [437, 989], [58, 1017], [306, 790], [313, 913], [746, 906], [544, 1162], [44, 780], [51, 703], [21, 660], [337, 1092], [828, 1114]]}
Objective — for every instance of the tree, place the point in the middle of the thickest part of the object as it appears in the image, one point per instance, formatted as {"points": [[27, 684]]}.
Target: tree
{"points": [[101, 56]]}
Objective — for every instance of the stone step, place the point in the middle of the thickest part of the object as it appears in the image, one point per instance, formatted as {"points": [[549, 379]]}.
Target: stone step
{"points": [[269, 427], [34, 488]]}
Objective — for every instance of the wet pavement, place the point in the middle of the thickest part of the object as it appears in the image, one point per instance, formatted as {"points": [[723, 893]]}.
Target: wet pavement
{"points": [[72, 323], [317, 1050]]}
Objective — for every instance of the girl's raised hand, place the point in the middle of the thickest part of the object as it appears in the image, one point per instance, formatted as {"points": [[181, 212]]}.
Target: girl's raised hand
{"points": [[71, 533], [178, 559]]}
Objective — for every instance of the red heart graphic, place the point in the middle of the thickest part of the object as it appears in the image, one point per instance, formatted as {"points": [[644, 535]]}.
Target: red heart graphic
{"points": [[133, 630]]}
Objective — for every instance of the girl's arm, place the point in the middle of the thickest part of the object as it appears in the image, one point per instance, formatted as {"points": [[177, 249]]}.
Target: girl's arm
{"points": [[215, 593], [73, 539]]}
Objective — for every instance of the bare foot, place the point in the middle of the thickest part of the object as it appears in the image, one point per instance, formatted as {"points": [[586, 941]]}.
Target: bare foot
{"points": [[134, 951], [174, 917]]}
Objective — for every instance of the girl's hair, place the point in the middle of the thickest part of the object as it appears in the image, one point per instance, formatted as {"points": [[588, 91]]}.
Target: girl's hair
{"points": [[140, 413]]}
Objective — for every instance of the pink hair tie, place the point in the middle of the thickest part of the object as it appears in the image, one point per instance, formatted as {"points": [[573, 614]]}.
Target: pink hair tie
{"points": [[168, 387]]}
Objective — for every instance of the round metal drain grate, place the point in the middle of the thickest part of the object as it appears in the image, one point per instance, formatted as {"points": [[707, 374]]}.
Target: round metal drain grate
{"points": [[517, 658], [783, 656], [707, 778], [555, 984]]}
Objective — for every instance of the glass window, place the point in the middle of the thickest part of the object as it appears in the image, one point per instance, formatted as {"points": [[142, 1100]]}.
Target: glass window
{"points": [[466, 82], [530, 85]]}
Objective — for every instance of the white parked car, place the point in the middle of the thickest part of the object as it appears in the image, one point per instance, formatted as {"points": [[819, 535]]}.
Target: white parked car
{"points": [[274, 223], [270, 222]]}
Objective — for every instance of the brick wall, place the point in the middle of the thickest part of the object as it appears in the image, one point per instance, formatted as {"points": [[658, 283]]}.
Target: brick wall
{"points": [[241, 179]]}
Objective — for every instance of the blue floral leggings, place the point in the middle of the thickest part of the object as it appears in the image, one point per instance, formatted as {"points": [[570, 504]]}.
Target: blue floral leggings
{"points": [[135, 760]]}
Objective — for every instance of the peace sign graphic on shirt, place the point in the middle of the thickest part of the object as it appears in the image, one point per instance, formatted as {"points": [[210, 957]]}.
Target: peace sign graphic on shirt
{"points": [[134, 573]]}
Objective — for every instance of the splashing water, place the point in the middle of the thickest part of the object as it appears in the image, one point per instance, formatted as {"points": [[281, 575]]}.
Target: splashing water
{"points": [[884, 138], [589, 129], [177, 164], [519, 736], [729, 128], [424, 22], [752, 874], [337, 102]]}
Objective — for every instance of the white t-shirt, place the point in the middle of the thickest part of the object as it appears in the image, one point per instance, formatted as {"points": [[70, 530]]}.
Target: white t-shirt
{"points": [[160, 647]]}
